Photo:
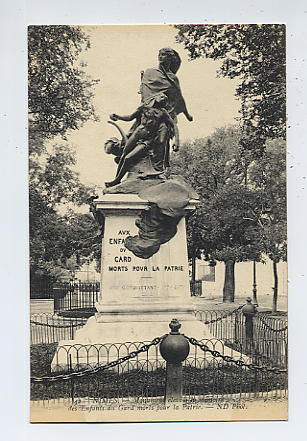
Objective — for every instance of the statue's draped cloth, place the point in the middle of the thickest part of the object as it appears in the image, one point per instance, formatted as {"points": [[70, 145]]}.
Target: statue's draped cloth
{"points": [[155, 81]]}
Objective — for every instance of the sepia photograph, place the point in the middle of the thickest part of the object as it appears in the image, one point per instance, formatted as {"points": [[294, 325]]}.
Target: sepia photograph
{"points": [[158, 222]]}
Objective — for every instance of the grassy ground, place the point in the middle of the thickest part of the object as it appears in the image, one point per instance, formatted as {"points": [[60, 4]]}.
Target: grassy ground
{"points": [[41, 356]]}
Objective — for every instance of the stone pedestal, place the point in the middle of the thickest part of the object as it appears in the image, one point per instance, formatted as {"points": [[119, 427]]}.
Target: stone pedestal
{"points": [[139, 297], [136, 290]]}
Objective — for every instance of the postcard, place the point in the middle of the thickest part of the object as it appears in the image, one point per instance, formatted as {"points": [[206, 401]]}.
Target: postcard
{"points": [[158, 223]]}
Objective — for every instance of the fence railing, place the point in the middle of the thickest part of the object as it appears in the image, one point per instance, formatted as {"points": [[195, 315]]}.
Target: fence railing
{"points": [[269, 334], [51, 328], [267, 338], [231, 324], [80, 295], [72, 296], [134, 371]]}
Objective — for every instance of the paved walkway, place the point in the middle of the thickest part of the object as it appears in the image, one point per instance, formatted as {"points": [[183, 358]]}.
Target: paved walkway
{"points": [[38, 306], [264, 302]]}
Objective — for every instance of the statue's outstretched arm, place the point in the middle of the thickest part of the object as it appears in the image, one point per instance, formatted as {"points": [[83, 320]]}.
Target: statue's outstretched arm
{"points": [[131, 117]]}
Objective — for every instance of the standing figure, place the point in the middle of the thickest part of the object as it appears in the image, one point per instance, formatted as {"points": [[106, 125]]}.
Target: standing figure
{"points": [[164, 79]]}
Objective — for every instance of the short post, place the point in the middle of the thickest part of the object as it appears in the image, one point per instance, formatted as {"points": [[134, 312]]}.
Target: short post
{"points": [[174, 349], [236, 339], [72, 386], [249, 311]]}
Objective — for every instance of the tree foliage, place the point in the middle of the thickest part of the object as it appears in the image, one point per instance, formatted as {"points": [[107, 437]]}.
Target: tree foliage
{"points": [[52, 176], [214, 167], [56, 241], [60, 92], [242, 212], [55, 237], [268, 174], [59, 101], [255, 54]]}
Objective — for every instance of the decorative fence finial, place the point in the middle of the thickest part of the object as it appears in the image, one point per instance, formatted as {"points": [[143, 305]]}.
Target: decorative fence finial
{"points": [[174, 348], [174, 326]]}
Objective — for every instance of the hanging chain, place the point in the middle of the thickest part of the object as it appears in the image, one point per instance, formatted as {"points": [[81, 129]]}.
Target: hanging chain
{"points": [[228, 314], [91, 371], [229, 359], [270, 327], [49, 325]]}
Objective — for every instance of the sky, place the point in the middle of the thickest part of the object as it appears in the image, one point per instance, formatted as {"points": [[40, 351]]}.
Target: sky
{"points": [[117, 56]]}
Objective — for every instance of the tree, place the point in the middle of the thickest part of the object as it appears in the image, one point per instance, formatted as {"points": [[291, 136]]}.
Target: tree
{"points": [[59, 92], [82, 239], [269, 175], [219, 228], [255, 54], [55, 238], [59, 101], [229, 237]]}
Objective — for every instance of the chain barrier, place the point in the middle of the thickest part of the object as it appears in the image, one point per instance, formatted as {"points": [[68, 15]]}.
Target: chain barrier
{"points": [[270, 327], [91, 371], [229, 359], [228, 314], [49, 325]]}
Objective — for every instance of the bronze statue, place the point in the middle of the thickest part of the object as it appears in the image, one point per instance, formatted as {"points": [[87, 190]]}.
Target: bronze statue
{"points": [[155, 122], [143, 153]]}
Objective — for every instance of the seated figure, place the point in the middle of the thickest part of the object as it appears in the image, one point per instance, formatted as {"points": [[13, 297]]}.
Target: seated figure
{"points": [[151, 118]]}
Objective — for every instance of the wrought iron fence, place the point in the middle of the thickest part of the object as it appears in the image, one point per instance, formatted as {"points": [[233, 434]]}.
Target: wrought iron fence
{"points": [[269, 334], [269, 339], [234, 366], [138, 374], [51, 328], [71, 296], [75, 296]]}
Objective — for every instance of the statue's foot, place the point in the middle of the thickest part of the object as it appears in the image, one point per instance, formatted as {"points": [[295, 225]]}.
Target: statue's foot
{"points": [[111, 183]]}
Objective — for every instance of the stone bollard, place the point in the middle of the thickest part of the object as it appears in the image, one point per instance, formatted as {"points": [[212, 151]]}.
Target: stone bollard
{"points": [[174, 349], [249, 311]]}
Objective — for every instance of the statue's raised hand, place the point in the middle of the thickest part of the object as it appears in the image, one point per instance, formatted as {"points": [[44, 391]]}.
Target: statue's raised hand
{"points": [[114, 117]]}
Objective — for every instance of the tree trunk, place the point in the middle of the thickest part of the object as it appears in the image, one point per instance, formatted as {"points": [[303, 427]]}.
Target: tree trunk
{"points": [[229, 282], [193, 269], [275, 288]]}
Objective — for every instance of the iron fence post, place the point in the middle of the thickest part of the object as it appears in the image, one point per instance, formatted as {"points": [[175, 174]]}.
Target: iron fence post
{"points": [[71, 329], [72, 386], [236, 327], [174, 349], [249, 311]]}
